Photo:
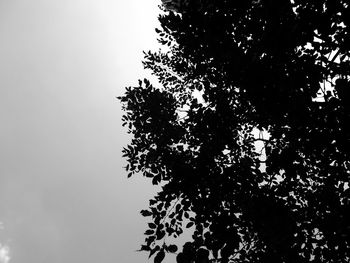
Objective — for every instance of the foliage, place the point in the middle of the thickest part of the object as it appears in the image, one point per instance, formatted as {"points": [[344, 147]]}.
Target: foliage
{"points": [[239, 73]]}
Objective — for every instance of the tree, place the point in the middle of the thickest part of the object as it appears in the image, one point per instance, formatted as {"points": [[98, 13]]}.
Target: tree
{"points": [[237, 73]]}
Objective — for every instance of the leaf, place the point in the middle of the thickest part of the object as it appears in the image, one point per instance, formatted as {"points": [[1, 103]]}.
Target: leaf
{"points": [[177, 208], [156, 180], [190, 224], [145, 213], [172, 248], [154, 250], [159, 257], [186, 215], [149, 232], [160, 234], [145, 248], [149, 240], [152, 225], [152, 202], [181, 258]]}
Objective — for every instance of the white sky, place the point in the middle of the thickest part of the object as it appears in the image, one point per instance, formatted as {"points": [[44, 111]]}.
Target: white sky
{"points": [[64, 196]]}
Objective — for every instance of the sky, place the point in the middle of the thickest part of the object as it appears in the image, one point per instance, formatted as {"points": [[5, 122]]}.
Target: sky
{"points": [[64, 195]]}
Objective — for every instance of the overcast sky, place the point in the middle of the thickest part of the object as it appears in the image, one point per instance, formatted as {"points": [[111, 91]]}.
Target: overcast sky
{"points": [[64, 196]]}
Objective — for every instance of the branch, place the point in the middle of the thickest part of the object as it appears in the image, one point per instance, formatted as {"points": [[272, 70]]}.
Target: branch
{"points": [[170, 210], [262, 139]]}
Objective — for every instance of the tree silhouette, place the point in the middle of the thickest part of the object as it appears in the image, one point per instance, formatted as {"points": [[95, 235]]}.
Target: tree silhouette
{"points": [[248, 132]]}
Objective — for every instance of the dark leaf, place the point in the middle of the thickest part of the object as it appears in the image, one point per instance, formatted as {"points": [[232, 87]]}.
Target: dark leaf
{"points": [[159, 257], [145, 248], [160, 234], [152, 225], [145, 213], [149, 232], [153, 251], [172, 248], [190, 224]]}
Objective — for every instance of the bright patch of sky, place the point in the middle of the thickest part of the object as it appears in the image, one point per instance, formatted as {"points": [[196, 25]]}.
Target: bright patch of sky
{"points": [[64, 195], [4, 254]]}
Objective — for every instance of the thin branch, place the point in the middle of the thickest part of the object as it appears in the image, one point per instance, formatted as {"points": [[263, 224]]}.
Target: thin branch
{"points": [[262, 139], [170, 210]]}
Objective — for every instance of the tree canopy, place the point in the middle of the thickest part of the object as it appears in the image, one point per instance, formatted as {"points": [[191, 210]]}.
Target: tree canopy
{"points": [[248, 132]]}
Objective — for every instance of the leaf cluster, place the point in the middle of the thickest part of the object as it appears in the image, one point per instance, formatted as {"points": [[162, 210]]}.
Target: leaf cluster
{"points": [[236, 74]]}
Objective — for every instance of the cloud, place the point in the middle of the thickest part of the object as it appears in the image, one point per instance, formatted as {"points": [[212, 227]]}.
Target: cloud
{"points": [[4, 254]]}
